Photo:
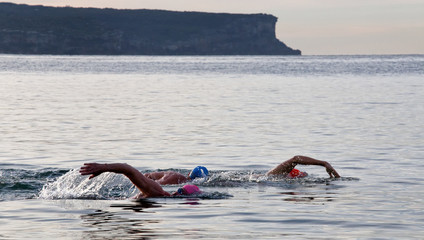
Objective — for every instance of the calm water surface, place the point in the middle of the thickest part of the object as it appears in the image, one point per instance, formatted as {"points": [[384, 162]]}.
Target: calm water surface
{"points": [[239, 116]]}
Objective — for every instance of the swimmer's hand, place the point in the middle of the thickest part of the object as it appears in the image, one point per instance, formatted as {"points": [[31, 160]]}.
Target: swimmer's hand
{"points": [[331, 171], [95, 169]]}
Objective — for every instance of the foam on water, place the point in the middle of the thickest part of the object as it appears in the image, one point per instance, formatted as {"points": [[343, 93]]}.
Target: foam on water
{"points": [[74, 186], [69, 184], [113, 186], [105, 186]]}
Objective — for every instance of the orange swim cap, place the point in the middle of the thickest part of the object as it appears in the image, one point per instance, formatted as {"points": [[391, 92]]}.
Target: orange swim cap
{"points": [[296, 173]]}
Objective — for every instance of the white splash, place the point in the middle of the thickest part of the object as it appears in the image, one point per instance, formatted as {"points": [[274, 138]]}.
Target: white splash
{"points": [[74, 186]]}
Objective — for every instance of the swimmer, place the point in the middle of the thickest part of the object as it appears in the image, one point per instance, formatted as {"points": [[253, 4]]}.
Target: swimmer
{"points": [[148, 187], [149, 183], [287, 168], [171, 177]]}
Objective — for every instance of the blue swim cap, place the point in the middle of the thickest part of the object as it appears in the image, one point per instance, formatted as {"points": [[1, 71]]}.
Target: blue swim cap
{"points": [[199, 172]]}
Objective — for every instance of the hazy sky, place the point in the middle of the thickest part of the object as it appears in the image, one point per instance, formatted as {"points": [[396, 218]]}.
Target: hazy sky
{"points": [[313, 26]]}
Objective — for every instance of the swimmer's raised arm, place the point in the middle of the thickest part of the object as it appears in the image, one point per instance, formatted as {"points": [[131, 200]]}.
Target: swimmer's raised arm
{"points": [[287, 166], [148, 187]]}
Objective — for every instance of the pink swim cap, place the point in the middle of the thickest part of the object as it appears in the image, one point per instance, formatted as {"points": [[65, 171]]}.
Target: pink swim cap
{"points": [[189, 189]]}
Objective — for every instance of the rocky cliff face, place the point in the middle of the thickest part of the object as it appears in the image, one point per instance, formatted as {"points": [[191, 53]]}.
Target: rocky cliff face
{"points": [[46, 30]]}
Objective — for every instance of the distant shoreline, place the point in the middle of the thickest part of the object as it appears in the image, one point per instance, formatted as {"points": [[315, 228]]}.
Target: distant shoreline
{"points": [[26, 29], [133, 55]]}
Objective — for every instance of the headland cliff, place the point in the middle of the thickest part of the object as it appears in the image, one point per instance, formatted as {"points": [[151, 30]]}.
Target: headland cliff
{"points": [[28, 29]]}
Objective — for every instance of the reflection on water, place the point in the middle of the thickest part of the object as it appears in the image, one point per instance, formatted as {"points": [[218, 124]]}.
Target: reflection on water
{"points": [[307, 197], [106, 225], [114, 225], [139, 205], [137, 223], [191, 201]]}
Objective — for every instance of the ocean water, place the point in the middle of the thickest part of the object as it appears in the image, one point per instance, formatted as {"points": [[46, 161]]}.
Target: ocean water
{"points": [[239, 116]]}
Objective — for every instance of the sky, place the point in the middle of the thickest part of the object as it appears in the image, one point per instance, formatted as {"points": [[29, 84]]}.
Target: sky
{"points": [[316, 27]]}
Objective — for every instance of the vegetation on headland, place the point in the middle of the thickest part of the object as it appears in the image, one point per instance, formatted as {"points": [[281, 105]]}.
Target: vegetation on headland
{"points": [[28, 29]]}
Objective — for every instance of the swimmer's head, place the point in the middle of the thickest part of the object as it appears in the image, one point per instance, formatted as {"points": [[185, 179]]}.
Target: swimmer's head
{"points": [[188, 189], [198, 172], [296, 174]]}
